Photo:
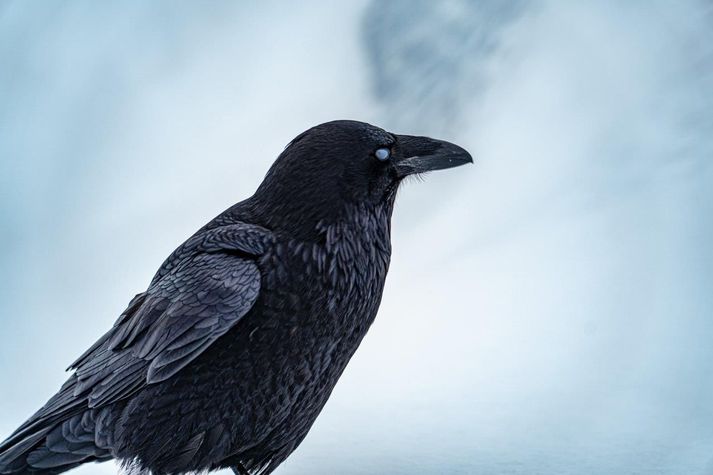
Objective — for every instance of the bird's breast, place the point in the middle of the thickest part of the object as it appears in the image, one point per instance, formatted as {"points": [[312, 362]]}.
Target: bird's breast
{"points": [[324, 295]]}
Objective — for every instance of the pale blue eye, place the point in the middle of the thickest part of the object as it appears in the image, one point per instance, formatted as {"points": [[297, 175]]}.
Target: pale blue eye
{"points": [[382, 154]]}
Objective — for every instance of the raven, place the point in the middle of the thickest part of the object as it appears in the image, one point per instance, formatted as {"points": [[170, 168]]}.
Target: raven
{"points": [[228, 357]]}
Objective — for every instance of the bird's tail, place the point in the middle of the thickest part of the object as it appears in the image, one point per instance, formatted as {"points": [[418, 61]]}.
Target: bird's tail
{"points": [[54, 441]]}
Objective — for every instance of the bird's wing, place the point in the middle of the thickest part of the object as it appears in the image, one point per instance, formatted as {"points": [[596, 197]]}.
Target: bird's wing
{"points": [[201, 291]]}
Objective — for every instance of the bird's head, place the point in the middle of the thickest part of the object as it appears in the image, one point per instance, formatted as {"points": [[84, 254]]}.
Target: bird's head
{"points": [[338, 166]]}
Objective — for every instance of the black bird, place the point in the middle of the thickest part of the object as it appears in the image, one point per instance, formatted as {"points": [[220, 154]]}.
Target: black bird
{"points": [[228, 357]]}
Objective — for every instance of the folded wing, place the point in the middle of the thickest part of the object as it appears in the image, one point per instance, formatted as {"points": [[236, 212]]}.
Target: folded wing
{"points": [[200, 292]]}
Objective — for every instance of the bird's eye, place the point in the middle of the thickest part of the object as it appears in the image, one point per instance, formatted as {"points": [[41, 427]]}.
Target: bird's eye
{"points": [[382, 154]]}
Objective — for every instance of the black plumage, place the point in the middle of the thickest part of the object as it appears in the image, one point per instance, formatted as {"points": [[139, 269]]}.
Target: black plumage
{"points": [[230, 354]]}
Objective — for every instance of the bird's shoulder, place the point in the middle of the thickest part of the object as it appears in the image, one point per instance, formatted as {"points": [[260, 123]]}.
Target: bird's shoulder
{"points": [[235, 237]]}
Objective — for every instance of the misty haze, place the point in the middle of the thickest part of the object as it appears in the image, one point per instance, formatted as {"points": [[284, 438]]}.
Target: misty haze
{"points": [[559, 320]]}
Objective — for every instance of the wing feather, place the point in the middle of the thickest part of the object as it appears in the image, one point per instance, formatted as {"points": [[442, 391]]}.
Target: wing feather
{"points": [[201, 291], [186, 309]]}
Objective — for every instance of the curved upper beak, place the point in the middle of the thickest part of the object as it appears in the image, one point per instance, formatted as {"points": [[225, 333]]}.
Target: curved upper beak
{"points": [[423, 154]]}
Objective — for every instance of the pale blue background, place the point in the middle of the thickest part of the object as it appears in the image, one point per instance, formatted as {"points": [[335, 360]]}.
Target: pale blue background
{"points": [[560, 317]]}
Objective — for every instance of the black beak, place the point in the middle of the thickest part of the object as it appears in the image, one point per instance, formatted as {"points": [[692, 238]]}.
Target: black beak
{"points": [[423, 154]]}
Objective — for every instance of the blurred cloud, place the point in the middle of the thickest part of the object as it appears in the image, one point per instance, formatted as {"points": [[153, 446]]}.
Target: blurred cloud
{"points": [[560, 319]]}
